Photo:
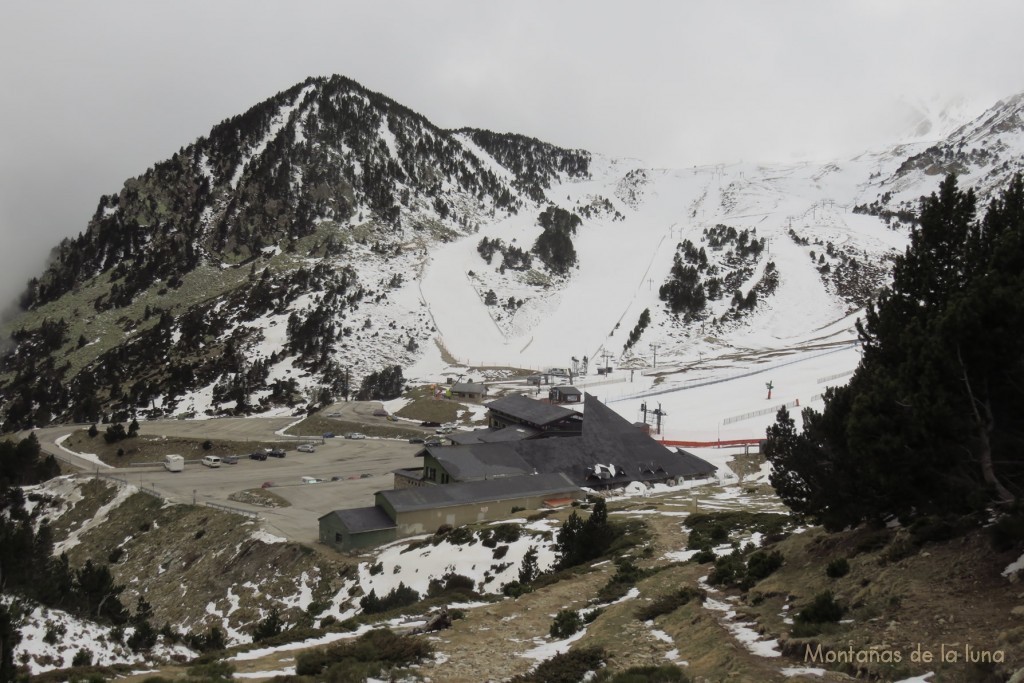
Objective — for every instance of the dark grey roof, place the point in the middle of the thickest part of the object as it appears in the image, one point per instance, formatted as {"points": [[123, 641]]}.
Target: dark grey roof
{"points": [[567, 390], [461, 438], [529, 410], [607, 440], [469, 387], [501, 488], [695, 465], [358, 520], [510, 433], [476, 461]]}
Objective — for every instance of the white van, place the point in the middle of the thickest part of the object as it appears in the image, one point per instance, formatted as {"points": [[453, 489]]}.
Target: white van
{"points": [[211, 461], [174, 463]]}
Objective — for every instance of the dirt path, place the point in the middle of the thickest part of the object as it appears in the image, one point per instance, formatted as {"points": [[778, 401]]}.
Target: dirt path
{"points": [[488, 644]]}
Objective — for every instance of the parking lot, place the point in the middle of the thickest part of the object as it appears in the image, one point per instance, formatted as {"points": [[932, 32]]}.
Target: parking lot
{"points": [[361, 467]]}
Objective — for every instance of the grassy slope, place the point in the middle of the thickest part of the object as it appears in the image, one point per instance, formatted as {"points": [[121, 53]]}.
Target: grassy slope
{"points": [[947, 593]]}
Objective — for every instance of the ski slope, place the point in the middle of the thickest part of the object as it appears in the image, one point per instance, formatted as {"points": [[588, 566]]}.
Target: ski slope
{"points": [[710, 379]]}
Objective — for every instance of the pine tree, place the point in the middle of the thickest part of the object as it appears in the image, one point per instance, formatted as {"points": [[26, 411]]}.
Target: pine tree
{"points": [[528, 570], [932, 421], [10, 636]]}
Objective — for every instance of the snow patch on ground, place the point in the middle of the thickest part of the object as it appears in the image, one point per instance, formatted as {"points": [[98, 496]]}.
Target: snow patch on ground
{"points": [[1014, 567], [415, 568], [124, 491], [326, 639], [267, 537], [91, 457], [742, 631]]}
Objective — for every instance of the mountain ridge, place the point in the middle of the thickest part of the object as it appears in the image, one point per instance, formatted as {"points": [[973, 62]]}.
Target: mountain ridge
{"points": [[303, 243]]}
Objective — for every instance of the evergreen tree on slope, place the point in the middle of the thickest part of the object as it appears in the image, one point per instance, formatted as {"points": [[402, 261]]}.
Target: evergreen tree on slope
{"points": [[932, 421]]}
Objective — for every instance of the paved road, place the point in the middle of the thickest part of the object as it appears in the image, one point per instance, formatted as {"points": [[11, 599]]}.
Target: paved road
{"points": [[364, 467]]}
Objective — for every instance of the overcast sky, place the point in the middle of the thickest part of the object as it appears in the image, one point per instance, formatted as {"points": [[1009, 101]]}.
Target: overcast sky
{"points": [[96, 92]]}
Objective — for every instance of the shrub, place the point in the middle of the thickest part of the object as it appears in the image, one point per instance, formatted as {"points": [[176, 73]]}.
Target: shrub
{"points": [[211, 641], [761, 564], [667, 604], [506, 533], [462, 535], [212, 671], [82, 658], [704, 556], [270, 626], [400, 596], [729, 570], [666, 673], [115, 432], [363, 657], [1008, 532], [566, 623], [568, 667], [450, 583], [823, 610], [837, 568], [514, 589], [625, 577]]}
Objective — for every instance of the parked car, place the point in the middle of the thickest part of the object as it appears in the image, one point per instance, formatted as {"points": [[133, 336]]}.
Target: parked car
{"points": [[392, 418], [174, 463], [306, 448], [337, 477], [380, 412], [417, 439], [276, 453], [267, 484], [355, 435], [229, 459], [211, 461], [430, 423], [444, 430], [258, 455], [432, 442], [328, 435]]}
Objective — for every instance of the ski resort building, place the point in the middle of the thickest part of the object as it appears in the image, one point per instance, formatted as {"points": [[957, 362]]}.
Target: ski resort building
{"points": [[520, 411], [565, 394], [472, 390], [407, 512], [504, 468]]}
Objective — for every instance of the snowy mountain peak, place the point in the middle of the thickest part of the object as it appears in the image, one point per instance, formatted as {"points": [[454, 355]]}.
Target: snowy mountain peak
{"points": [[329, 231]]}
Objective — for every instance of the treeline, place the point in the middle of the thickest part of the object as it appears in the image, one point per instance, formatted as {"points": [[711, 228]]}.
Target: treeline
{"points": [[932, 421], [382, 385], [28, 568], [512, 257], [177, 355], [554, 245], [534, 163], [694, 279], [321, 155]]}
